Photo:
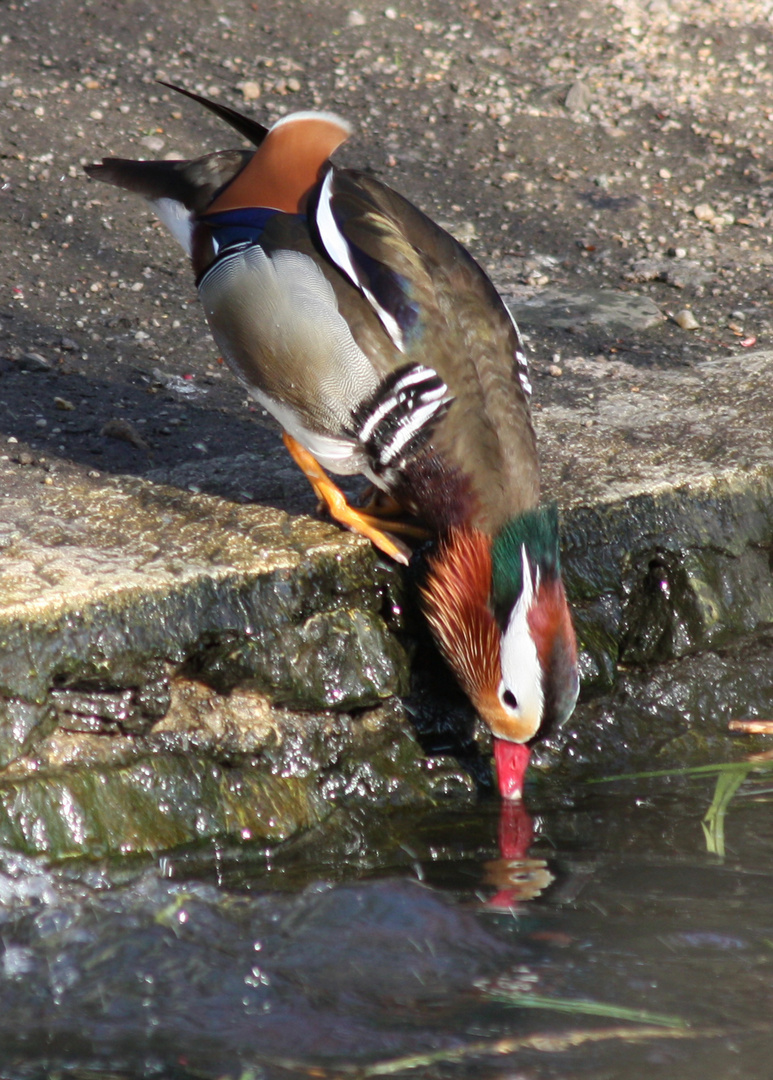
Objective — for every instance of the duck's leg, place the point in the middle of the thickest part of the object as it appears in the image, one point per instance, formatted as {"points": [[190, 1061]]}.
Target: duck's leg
{"points": [[379, 506], [339, 509]]}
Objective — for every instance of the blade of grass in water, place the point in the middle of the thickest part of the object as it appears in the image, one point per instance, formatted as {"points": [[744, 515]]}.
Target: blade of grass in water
{"points": [[544, 1043], [584, 1008], [730, 775], [689, 770], [714, 821]]}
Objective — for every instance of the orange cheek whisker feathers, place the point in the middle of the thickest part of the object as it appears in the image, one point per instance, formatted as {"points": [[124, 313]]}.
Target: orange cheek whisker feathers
{"points": [[456, 605]]}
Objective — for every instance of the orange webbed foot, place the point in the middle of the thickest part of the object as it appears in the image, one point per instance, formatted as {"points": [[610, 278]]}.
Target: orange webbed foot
{"points": [[334, 500]]}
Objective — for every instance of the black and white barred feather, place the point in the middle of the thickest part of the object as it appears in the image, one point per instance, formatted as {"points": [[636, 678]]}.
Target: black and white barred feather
{"points": [[520, 358], [395, 423]]}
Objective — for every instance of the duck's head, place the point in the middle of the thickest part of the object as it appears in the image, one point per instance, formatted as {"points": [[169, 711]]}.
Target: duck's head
{"points": [[498, 611]]}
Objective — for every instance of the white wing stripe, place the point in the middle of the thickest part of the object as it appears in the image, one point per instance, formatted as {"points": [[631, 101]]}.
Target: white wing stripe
{"points": [[338, 250]]}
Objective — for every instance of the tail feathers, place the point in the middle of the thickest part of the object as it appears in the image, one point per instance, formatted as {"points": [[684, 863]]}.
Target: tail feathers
{"points": [[250, 129], [194, 184]]}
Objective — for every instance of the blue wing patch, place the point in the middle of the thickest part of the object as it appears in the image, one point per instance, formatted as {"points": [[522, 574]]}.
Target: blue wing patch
{"points": [[243, 226]]}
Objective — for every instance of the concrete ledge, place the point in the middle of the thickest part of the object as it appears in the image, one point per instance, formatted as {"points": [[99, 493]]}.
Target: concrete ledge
{"points": [[153, 640]]}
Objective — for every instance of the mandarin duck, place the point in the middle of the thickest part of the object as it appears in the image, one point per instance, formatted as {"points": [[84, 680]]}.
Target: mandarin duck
{"points": [[382, 348]]}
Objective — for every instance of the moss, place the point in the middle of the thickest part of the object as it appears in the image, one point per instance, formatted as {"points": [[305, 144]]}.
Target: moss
{"points": [[154, 803]]}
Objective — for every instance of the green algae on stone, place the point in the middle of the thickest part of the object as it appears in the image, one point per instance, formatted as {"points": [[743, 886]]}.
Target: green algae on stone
{"points": [[113, 587], [156, 802], [670, 466], [672, 571], [597, 624], [390, 767], [215, 766], [22, 723], [696, 600]]}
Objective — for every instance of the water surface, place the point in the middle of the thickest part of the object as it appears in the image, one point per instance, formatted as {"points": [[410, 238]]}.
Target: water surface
{"points": [[634, 939]]}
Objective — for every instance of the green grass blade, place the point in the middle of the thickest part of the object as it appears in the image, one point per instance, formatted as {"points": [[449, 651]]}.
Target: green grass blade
{"points": [[714, 821], [584, 1008], [689, 770]]}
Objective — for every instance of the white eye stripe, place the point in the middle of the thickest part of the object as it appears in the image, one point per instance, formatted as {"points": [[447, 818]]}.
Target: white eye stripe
{"points": [[530, 584], [521, 672]]}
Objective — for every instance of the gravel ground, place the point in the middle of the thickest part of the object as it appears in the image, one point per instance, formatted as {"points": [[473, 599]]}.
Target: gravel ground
{"points": [[570, 145]]}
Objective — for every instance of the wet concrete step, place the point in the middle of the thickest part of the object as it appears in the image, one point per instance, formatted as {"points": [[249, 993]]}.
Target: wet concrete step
{"points": [[154, 639]]}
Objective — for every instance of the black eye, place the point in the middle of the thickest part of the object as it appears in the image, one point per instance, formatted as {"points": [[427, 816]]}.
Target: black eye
{"points": [[508, 698]]}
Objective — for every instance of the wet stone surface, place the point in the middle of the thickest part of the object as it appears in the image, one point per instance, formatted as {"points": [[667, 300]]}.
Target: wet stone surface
{"points": [[124, 600], [126, 621], [665, 481], [669, 715], [102, 580]]}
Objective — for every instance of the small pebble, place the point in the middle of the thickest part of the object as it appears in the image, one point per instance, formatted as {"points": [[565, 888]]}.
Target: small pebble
{"points": [[152, 142], [355, 18], [686, 320], [704, 212], [122, 429], [578, 98], [250, 90], [64, 404], [555, 371], [33, 361]]}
